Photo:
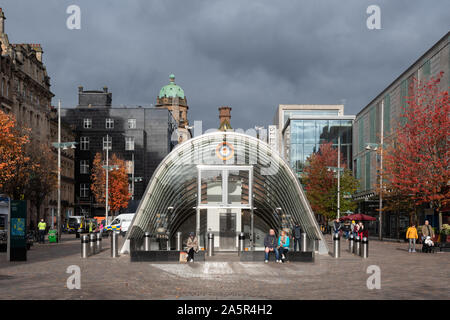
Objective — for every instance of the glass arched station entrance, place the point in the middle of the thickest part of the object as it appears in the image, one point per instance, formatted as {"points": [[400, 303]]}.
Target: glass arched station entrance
{"points": [[222, 183]]}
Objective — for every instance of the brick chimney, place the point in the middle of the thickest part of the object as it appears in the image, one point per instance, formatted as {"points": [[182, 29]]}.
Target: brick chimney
{"points": [[224, 118], [224, 114], [2, 21]]}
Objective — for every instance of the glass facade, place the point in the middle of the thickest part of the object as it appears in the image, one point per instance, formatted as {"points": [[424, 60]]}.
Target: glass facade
{"points": [[305, 137], [305, 112], [251, 180]]}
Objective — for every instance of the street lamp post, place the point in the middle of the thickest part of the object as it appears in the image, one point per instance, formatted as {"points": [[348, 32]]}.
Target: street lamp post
{"points": [[338, 170], [58, 145], [108, 168]]}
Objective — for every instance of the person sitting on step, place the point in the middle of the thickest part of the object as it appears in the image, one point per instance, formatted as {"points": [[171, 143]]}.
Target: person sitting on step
{"points": [[191, 246], [283, 246], [270, 244]]}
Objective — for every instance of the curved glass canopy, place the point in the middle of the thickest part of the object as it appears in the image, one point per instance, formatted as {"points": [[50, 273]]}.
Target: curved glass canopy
{"points": [[181, 187]]}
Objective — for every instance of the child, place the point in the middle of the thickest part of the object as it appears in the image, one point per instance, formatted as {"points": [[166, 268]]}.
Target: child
{"points": [[411, 235]]}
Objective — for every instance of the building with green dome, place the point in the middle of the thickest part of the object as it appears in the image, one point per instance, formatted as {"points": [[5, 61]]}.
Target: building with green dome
{"points": [[172, 97]]}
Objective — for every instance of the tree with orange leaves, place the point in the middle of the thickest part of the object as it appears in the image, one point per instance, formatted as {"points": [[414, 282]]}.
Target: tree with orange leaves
{"points": [[321, 183], [15, 164], [417, 164], [118, 195]]}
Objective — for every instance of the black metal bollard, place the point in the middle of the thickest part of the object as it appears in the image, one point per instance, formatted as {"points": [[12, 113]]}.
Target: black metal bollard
{"points": [[114, 244], [304, 242], [99, 243], [351, 243], [365, 248], [336, 245], [92, 241], [147, 241], [210, 244], [357, 248], [241, 242], [84, 246]]}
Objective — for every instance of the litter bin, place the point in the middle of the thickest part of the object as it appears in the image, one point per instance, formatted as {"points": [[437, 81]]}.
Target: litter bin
{"points": [[52, 236]]}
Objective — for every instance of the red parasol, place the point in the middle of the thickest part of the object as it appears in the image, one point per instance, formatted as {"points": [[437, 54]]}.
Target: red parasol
{"points": [[359, 217]]}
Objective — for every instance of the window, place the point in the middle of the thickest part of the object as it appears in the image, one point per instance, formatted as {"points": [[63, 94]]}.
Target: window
{"points": [[107, 142], [84, 143], [84, 190], [129, 143], [131, 123], [109, 123], [84, 166], [87, 123], [129, 166]]}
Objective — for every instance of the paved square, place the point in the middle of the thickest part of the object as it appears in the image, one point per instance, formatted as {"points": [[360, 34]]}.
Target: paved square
{"points": [[403, 276]]}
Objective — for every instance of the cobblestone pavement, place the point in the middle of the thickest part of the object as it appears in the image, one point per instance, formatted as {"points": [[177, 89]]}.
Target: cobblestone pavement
{"points": [[403, 276]]}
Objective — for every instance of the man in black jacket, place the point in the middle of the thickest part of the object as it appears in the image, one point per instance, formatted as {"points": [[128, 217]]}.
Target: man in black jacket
{"points": [[297, 234], [271, 244]]}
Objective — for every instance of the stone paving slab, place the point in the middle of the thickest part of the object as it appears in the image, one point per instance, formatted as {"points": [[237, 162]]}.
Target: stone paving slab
{"points": [[403, 276]]}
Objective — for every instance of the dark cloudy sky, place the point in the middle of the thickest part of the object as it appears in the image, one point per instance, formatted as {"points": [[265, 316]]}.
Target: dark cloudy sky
{"points": [[249, 54]]}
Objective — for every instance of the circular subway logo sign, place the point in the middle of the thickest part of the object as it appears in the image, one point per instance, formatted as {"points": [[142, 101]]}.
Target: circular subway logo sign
{"points": [[224, 151]]}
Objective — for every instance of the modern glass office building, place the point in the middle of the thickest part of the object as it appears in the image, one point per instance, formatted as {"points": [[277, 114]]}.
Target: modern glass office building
{"points": [[304, 130], [223, 183]]}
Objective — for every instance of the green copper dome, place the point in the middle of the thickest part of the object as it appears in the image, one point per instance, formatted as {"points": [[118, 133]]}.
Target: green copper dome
{"points": [[171, 90]]}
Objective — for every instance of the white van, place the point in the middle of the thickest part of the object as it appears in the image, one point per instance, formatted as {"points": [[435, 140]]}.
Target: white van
{"points": [[121, 223]]}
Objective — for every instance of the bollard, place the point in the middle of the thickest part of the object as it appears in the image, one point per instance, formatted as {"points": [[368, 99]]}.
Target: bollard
{"points": [[99, 243], [84, 246], [92, 241], [337, 246], [147, 241], [179, 243], [114, 244], [357, 248], [365, 248], [304, 242], [210, 244], [351, 243], [241, 242]]}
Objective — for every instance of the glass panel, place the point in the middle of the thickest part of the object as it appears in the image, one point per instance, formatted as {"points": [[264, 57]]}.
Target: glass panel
{"points": [[212, 182], [308, 131], [238, 187]]}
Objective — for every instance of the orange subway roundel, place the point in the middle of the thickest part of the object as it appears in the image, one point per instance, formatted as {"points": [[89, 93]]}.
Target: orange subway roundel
{"points": [[224, 151]]}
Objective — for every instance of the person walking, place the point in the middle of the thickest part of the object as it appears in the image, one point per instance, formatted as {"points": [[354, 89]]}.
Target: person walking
{"points": [[360, 230], [283, 246], [296, 235], [336, 226], [42, 226], [270, 244], [427, 231], [352, 228], [411, 235], [100, 229], [91, 226], [191, 246]]}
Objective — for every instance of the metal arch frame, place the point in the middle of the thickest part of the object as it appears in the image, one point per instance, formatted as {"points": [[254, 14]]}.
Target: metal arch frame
{"points": [[172, 184]]}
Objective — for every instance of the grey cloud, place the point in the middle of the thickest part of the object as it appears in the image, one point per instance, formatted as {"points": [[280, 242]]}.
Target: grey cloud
{"points": [[251, 55]]}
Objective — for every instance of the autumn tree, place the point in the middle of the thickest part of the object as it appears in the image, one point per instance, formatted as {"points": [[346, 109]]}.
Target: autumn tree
{"points": [[42, 179], [321, 183], [118, 194], [417, 162], [15, 164]]}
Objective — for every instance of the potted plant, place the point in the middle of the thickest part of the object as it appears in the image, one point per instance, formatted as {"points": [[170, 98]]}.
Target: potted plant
{"points": [[445, 233]]}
